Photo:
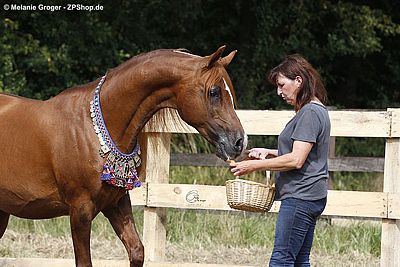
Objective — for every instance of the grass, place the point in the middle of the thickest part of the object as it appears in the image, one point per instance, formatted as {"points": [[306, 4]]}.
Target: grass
{"points": [[243, 230], [352, 181], [209, 228]]}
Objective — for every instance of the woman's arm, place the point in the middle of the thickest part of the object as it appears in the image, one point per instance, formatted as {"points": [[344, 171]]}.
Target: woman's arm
{"points": [[290, 161]]}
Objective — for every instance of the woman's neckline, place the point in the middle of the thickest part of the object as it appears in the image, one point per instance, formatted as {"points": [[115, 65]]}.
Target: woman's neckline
{"points": [[316, 101]]}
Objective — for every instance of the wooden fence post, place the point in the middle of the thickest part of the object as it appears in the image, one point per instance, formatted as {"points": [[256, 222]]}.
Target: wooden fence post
{"points": [[390, 240], [332, 150], [332, 153], [156, 153]]}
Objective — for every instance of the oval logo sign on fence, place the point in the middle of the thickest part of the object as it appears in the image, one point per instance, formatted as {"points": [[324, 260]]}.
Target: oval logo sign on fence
{"points": [[193, 197]]}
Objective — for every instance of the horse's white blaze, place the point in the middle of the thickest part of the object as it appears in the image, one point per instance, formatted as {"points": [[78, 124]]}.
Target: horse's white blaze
{"points": [[245, 140], [229, 91]]}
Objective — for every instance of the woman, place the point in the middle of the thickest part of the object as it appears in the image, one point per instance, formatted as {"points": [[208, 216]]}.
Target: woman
{"points": [[300, 161]]}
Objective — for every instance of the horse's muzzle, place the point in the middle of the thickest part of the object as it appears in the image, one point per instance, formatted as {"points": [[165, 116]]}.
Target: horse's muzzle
{"points": [[231, 146]]}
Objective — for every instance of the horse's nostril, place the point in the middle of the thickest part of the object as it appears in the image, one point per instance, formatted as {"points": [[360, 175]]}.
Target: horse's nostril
{"points": [[239, 144]]}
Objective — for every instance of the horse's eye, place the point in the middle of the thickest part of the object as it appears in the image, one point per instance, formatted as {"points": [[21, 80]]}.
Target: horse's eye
{"points": [[215, 91]]}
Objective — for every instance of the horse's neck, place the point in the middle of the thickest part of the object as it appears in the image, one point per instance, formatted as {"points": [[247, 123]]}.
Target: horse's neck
{"points": [[130, 97]]}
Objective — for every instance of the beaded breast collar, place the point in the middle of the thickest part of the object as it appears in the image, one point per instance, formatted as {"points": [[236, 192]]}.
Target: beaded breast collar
{"points": [[119, 168]]}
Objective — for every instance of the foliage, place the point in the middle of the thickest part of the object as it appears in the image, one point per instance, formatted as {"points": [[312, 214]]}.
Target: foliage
{"points": [[358, 181], [353, 43], [343, 41], [367, 147]]}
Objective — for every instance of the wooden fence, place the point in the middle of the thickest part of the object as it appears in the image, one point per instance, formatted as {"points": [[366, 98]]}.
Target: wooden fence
{"points": [[384, 205], [157, 195]]}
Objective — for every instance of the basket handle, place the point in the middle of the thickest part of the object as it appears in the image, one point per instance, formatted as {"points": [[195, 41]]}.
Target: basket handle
{"points": [[268, 177], [269, 180]]}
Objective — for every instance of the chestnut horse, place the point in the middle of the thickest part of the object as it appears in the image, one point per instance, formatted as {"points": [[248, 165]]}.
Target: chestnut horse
{"points": [[50, 163]]}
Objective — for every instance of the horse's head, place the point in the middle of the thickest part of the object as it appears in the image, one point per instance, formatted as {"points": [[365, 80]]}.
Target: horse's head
{"points": [[206, 101]]}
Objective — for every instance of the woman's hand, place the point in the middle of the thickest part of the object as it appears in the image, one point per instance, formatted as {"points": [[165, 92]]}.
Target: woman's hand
{"points": [[262, 153], [244, 167]]}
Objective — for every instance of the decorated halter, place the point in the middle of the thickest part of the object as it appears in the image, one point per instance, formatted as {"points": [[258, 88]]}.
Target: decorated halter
{"points": [[120, 168]]}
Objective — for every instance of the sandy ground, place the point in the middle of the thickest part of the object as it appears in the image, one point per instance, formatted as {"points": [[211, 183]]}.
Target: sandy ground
{"points": [[19, 245]]}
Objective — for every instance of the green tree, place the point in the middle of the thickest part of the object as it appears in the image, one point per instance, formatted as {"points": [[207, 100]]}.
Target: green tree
{"points": [[354, 44], [341, 39]]}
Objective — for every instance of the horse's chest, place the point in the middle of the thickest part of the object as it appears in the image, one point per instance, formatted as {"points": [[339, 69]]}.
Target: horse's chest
{"points": [[109, 197]]}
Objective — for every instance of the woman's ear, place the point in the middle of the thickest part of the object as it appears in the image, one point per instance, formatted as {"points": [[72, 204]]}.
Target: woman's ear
{"points": [[298, 80]]}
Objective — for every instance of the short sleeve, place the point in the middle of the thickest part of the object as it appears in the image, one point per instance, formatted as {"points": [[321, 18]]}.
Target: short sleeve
{"points": [[307, 127]]}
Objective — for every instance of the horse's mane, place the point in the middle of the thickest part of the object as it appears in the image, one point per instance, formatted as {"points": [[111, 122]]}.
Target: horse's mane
{"points": [[151, 54], [166, 119], [183, 50]]}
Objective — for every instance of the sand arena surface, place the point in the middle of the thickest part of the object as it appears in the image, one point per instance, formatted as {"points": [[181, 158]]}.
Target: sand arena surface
{"points": [[18, 245]]}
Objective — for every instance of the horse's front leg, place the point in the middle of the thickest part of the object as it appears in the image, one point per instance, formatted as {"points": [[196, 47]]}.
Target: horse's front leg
{"points": [[122, 221], [81, 216], [3, 222]]}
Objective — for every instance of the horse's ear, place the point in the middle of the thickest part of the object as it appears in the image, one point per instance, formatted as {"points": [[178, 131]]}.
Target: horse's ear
{"points": [[212, 59], [226, 60]]}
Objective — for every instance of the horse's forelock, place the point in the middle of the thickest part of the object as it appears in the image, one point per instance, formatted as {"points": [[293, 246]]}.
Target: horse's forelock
{"points": [[214, 76]]}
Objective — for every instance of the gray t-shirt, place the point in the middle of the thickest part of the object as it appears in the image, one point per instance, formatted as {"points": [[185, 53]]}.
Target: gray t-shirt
{"points": [[310, 124]]}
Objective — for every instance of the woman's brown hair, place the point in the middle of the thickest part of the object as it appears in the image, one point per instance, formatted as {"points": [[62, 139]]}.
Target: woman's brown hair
{"points": [[312, 85]]}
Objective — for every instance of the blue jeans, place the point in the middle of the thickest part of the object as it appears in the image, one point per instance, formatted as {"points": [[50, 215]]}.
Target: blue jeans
{"points": [[294, 232]]}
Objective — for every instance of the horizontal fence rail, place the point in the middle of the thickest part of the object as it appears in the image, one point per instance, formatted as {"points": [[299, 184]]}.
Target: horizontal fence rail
{"points": [[271, 122], [207, 197], [348, 164]]}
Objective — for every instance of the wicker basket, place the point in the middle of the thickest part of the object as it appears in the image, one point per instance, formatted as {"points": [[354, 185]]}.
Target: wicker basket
{"points": [[250, 196]]}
